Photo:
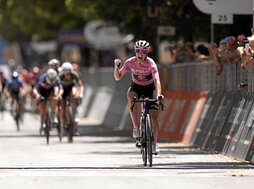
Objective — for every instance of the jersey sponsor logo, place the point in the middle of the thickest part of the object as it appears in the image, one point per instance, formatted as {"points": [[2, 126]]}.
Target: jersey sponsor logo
{"points": [[143, 78], [138, 71]]}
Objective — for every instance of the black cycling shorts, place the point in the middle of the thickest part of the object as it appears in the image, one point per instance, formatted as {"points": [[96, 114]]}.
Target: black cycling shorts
{"points": [[144, 90], [45, 92], [67, 92], [15, 95]]}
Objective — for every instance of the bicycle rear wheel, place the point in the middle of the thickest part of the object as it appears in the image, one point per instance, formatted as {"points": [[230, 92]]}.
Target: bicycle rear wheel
{"points": [[144, 145], [16, 115], [70, 126], [48, 126], [60, 129], [149, 140]]}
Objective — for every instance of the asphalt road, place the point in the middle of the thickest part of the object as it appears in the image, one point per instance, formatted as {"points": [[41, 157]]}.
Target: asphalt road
{"points": [[100, 158]]}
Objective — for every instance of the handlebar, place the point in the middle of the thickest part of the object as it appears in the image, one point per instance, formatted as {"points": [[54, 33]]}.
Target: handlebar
{"points": [[145, 100]]}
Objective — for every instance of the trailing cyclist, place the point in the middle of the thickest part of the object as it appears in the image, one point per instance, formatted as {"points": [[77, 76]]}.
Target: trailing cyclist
{"points": [[145, 79], [74, 88], [33, 79], [54, 64], [3, 84], [48, 86], [16, 91], [3, 81]]}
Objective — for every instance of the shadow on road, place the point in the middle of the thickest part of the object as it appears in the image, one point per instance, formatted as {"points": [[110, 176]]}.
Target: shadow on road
{"points": [[177, 166]]}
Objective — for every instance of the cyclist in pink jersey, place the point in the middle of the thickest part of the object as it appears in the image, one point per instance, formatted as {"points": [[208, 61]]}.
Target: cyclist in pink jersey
{"points": [[145, 80]]}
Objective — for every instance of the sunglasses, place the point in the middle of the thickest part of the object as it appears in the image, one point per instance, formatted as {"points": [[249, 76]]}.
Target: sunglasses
{"points": [[141, 51]]}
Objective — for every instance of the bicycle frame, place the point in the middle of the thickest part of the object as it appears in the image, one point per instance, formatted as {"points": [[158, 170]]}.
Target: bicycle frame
{"points": [[47, 119], [146, 129], [15, 107], [70, 115]]}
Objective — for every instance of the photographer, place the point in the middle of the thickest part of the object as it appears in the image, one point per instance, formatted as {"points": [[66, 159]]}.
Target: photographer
{"points": [[247, 53]]}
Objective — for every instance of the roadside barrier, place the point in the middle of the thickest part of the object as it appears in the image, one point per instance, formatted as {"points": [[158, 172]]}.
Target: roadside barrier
{"points": [[219, 120], [226, 125], [105, 99], [243, 148], [178, 120]]}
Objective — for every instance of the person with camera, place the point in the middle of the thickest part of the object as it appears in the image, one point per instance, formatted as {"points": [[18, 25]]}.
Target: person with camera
{"points": [[248, 53]]}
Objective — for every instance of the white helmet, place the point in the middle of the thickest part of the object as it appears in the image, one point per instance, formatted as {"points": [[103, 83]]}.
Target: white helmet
{"points": [[54, 62], [67, 67], [51, 75], [142, 45]]}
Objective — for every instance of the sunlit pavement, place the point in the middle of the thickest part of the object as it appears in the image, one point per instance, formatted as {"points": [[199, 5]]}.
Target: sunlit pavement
{"points": [[109, 156]]}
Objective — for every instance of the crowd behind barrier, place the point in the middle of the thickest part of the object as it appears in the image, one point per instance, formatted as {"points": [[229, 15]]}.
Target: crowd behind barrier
{"points": [[202, 77]]}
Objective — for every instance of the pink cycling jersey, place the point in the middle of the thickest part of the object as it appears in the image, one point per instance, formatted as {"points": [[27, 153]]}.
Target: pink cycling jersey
{"points": [[141, 74]]}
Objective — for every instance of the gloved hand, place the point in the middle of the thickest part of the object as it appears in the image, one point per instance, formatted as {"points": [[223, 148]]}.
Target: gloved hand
{"points": [[117, 63], [160, 97]]}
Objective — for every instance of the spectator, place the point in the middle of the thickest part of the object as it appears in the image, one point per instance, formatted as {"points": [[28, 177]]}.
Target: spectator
{"points": [[184, 53], [232, 53], [190, 55], [248, 53], [241, 41], [214, 52], [178, 54], [166, 51], [228, 53], [202, 53]]}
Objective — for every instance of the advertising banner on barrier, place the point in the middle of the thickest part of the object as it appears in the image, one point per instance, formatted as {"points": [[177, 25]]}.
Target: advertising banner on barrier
{"points": [[204, 128], [219, 120], [202, 118], [245, 148], [244, 141], [182, 112], [236, 130], [231, 123]]}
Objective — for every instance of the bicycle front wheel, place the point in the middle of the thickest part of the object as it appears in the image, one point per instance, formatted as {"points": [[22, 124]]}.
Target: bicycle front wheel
{"points": [[144, 145], [70, 128], [47, 128], [16, 115], [149, 140]]}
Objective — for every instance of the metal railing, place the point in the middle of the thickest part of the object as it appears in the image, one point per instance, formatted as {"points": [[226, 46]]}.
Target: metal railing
{"points": [[201, 76]]}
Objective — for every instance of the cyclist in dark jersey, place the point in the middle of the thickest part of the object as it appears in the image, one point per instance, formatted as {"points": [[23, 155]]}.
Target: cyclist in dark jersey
{"points": [[48, 86], [16, 90], [73, 87]]}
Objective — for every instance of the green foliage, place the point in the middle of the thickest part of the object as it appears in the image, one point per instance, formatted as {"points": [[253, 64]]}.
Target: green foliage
{"points": [[25, 19]]}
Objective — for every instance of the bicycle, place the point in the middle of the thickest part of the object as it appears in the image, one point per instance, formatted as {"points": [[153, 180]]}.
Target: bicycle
{"points": [[146, 139], [70, 119], [15, 111], [48, 122]]}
